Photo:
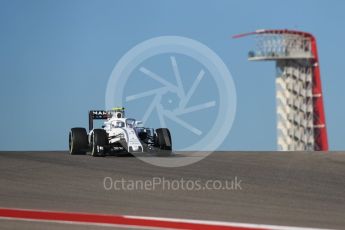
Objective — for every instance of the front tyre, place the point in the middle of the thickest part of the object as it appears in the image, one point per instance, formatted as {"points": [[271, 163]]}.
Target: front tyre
{"points": [[99, 140], [163, 140], [77, 141]]}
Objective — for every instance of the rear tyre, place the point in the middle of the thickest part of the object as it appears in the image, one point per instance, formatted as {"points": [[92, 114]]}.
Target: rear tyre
{"points": [[99, 140], [163, 140], [77, 141]]}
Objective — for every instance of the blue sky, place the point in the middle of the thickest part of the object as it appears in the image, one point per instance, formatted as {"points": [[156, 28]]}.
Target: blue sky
{"points": [[56, 58]]}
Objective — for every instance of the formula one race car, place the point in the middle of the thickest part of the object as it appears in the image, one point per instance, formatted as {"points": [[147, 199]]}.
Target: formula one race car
{"points": [[118, 134]]}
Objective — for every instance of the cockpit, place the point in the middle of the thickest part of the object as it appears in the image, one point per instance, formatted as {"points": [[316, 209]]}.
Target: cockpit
{"points": [[130, 123], [118, 124]]}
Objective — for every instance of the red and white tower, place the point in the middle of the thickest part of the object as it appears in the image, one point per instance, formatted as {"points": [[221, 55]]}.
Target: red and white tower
{"points": [[301, 123]]}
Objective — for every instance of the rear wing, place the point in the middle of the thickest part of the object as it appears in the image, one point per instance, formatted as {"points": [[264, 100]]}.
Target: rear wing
{"points": [[97, 115]]}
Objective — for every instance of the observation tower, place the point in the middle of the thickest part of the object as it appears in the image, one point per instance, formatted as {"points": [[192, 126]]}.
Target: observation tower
{"points": [[301, 123]]}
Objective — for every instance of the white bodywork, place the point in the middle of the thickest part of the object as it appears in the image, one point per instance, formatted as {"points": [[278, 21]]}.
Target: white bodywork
{"points": [[123, 130]]}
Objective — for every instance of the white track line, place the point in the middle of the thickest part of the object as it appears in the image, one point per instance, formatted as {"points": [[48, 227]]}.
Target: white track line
{"points": [[223, 223]]}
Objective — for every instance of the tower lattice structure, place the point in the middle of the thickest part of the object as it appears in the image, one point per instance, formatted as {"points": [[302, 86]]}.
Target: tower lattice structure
{"points": [[301, 123]]}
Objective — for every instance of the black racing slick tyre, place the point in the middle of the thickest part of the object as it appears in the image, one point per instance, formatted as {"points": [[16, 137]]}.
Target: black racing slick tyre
{"points": [[163, 139], [77, 141], [99, 140]]}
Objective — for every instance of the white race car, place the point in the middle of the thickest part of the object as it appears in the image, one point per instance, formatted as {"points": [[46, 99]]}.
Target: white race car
{"points": [[118, 134]]}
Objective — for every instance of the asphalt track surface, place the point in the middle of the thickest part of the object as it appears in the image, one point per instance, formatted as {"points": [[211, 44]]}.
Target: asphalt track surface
{"points": [[305, 189]]}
